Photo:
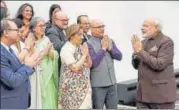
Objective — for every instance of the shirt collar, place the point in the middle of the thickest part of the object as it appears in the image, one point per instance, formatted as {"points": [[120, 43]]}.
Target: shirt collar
{"points": [[6, 47]]}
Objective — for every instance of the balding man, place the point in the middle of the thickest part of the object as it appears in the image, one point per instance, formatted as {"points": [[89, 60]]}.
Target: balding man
{"points": [[84, 22], [56, 32], [153, 57], [14, 75], [103, 51]]}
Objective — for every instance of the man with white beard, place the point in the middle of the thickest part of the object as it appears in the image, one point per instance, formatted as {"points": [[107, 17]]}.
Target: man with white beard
{"points": [[153, 58]]}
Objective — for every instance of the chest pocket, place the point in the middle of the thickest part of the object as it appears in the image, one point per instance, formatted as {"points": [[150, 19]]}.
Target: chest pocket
{"points": [[153, 47], [154, 53]]}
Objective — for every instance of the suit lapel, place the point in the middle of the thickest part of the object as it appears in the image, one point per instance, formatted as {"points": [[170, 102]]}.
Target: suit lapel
{"points": [[88, 36], [9, 56]]}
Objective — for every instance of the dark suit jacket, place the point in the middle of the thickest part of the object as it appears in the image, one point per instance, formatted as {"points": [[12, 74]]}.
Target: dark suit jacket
{"points": [[57, 37], [86, 37], [156, 79], [14, 82]]}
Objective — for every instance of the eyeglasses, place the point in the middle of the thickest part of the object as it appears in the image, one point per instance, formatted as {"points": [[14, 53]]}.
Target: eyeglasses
{"points": [[42, 26], [63, 20], [85, 24], [13, 30], [102, 26]]}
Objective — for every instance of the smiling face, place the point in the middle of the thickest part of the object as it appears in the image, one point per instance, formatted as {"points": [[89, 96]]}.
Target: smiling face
{"points": [[27, 13], [39, 29], [149, 28], [61, 20], [85, 24], [12, 32], [97, 28]]}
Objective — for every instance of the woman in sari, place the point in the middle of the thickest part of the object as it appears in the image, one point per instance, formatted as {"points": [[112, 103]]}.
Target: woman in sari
{"points": [[74, 83], [45, 79], [20, 48]]}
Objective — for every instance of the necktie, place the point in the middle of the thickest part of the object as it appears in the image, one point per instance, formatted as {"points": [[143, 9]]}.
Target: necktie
{"points": [[12, 54]]}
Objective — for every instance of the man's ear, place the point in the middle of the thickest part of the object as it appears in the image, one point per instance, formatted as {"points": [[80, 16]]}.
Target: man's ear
{"points": [[5, 33]]}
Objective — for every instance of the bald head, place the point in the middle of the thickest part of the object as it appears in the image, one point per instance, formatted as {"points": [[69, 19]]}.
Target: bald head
{"points": [[61, 20], [97, 28], [9, 31], [151, 27], [96, 22], [60, 14]]}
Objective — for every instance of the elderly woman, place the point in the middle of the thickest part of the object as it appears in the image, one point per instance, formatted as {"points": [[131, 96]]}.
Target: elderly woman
{"points": [[25, 13], [74, 85], [45, 79]]}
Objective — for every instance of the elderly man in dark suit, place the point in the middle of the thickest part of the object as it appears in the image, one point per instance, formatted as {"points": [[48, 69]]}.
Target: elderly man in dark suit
{"points": [[14, 78], [153, 57], [56, 33]]}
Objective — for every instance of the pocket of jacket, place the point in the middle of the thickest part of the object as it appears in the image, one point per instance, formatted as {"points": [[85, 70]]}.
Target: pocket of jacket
{"points": [[159, 81]]}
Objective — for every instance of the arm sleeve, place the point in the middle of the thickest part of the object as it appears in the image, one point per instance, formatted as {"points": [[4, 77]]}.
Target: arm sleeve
{"points": [[67, 57], [115, 52], [57, 43], [96, 57], [164, 58], [14, 79]]}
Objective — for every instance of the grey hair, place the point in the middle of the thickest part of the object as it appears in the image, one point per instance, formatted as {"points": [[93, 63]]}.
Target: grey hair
{"points": [[34, 22], [157, 23], [5, 24]]}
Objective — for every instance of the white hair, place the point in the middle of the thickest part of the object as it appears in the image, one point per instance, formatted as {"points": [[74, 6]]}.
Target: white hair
{"points": [[157, 22]]}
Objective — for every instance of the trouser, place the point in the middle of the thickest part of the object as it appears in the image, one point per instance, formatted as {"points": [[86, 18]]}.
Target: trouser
{"points": [[105, 96], [143, 105], [29, 101]]}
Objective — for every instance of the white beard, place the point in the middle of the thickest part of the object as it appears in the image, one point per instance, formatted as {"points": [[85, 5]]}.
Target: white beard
{"points": [[145, 36]]}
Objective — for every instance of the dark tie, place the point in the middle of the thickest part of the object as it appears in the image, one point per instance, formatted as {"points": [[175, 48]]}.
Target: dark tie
{"points": [[84, 39], [12, 54]]}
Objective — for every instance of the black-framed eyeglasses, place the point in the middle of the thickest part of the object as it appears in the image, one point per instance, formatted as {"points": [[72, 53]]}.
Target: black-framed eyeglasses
{"points": [[63, 20], [102, 26]]}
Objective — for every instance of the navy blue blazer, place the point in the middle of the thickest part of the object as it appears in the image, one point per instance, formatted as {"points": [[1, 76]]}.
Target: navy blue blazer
{"points": [[14, 82]]}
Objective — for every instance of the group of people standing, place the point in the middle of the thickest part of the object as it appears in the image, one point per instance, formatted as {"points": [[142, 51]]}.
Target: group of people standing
{"points": [[50, 65], [69, 62]]}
